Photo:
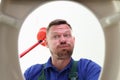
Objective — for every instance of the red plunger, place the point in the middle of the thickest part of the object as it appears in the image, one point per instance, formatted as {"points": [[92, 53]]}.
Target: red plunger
{"points": [[41, 37]]}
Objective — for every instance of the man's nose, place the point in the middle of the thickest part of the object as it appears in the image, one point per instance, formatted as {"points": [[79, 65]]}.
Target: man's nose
{"points": [[63, 40]]}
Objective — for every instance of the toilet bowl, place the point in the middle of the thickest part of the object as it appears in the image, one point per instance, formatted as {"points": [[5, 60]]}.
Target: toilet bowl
{"points": [[13, 14]]}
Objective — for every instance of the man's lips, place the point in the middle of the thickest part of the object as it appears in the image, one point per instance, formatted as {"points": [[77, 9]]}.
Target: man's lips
{"points": [[63, 46]]}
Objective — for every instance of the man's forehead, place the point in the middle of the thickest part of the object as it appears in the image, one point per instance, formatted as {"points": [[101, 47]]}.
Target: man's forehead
{"points": [[60, 27], [60, 30]]}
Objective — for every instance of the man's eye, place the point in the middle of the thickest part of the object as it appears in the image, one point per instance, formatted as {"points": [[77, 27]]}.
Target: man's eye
{"points": [[67, 35], [56, 36]]}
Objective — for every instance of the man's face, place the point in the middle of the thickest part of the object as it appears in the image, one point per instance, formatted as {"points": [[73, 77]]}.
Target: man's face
{"points": [[60, 41]]}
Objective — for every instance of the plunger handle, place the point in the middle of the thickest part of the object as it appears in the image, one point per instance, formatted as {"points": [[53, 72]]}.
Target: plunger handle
{"points": [[29, 49]]}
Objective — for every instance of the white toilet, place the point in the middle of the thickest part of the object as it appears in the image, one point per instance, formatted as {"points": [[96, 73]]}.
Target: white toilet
{"points": [[14, 12]]}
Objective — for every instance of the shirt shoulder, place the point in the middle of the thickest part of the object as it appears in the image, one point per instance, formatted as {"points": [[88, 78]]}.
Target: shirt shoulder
{"points": [[33, 72], [88, 63], [88, 69]]}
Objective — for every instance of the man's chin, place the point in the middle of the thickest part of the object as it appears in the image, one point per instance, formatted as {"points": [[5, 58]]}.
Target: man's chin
{"points": [[64, 57], [61, 58]]}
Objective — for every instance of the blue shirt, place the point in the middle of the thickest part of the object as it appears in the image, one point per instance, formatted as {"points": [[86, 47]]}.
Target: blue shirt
{"points": [[87, 70]]}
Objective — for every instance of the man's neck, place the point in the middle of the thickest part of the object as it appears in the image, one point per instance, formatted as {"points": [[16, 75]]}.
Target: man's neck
{"points": [[60, 63]]}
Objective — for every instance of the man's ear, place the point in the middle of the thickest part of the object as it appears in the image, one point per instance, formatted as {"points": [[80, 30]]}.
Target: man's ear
{"points": [[46, 43], [74, 39]]}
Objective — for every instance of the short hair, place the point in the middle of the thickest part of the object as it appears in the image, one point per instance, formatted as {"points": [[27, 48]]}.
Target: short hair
{"points": [[58, 22]]}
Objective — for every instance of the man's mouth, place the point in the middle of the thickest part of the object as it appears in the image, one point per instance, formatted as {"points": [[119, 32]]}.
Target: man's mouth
{"points": [[63, 46]]}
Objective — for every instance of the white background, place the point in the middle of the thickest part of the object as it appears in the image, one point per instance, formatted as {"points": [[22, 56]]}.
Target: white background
{"points": [[90, 42]]}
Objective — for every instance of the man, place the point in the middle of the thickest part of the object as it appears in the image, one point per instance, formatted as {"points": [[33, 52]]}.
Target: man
{"points": [[61, 66]]}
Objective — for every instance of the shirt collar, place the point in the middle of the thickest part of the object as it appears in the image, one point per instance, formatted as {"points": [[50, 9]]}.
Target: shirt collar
{"points": [[49, 64]]}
